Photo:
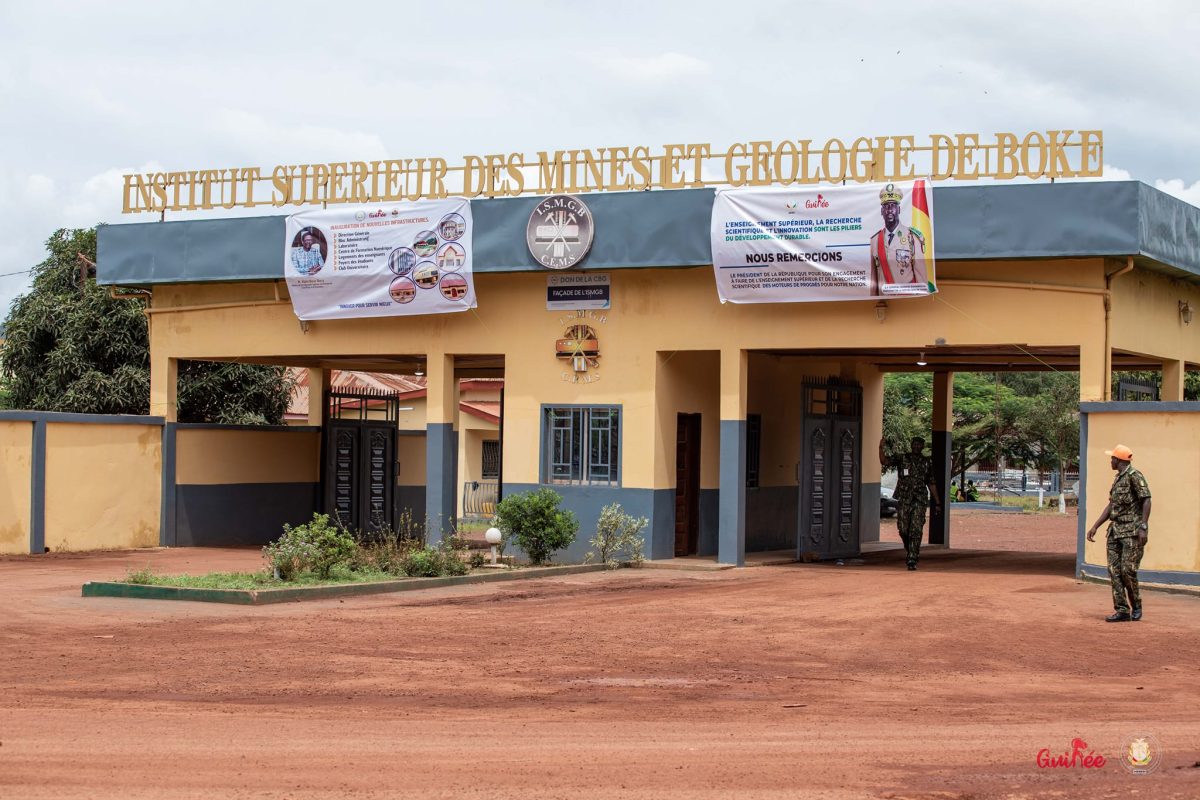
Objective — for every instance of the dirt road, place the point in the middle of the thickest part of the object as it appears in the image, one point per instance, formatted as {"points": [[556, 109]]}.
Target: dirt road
{"points": [[861, 681]]}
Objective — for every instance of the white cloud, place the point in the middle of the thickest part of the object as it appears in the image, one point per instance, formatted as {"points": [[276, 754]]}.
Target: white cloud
{"points": [[1112, 173], [662, 68], [39, 189]]}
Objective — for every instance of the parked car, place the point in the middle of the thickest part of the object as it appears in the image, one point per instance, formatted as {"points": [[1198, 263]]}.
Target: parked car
{"points": [[888, 507]]}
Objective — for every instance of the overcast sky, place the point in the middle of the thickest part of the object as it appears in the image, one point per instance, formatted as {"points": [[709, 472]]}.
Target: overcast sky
{"points": [[91, 91]]}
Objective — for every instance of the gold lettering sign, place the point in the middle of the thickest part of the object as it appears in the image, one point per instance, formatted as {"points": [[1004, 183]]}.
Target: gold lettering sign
{"points": [[959, 156]]}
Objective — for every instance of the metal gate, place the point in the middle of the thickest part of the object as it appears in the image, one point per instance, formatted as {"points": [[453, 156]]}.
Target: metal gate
{"points": [[359, 470], [830, 469]]}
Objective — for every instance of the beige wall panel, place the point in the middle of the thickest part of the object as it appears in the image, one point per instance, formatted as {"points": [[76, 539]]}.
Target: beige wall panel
{"points": [[410, 452], [16, 464], [1166, 449], [413, 420], [213, 456], [652, 310], [103, 486], [1145, 316]]}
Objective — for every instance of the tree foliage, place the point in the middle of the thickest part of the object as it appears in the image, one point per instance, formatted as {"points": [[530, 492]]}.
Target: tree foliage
{"points": [[73, 347], [1021, 418], [1191, 381]]}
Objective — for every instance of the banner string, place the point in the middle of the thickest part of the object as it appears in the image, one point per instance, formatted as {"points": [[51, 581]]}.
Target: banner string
{"points": [[938, 296]]}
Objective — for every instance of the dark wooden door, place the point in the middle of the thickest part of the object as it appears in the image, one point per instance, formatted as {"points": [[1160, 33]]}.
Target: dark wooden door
{"points": [[830, 470], [360, 473], [687, 484]]}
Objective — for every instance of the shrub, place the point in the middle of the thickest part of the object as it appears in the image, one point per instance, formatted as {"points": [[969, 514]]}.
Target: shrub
{"points": [[425, 562], [384, 553], [536, 523], [316, 546], [477, 560], [618, 534], [430, 561], [143, 576]]}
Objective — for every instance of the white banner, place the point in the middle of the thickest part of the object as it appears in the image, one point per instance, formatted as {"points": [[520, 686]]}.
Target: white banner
{"points": [[380, 261], [859, 242]]}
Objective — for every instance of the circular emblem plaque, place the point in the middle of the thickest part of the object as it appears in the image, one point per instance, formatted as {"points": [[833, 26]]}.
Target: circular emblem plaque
{"points": [[560, 230]]}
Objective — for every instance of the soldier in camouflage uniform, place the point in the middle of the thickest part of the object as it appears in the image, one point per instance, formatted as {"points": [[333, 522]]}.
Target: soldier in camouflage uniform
{"points": [[1128, 515], [915, 471]]}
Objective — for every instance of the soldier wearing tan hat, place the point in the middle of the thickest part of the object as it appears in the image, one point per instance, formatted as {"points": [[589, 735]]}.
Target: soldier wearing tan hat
{"points": [[1128, 515]]}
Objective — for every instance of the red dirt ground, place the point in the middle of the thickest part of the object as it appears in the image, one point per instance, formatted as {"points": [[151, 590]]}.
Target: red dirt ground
{"points": [[859, 681]]}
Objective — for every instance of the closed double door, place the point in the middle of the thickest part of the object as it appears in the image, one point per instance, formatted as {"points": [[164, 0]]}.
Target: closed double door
{"points": [[830, 470], [360, 474]]}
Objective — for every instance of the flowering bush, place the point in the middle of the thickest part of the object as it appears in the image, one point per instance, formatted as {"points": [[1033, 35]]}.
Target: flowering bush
{"points": [[618, 534], [317, 546]]}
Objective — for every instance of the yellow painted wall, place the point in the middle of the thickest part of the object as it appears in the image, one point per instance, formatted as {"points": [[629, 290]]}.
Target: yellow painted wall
{"points": [[1145, 316], [410, 452], [1166, 449], [654, 311], [103, 486], [221, 456], [16, 463], [413, 420]]}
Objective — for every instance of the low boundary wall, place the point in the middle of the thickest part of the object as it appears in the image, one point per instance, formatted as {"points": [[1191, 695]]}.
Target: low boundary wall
{"points": [[1165, 439]]}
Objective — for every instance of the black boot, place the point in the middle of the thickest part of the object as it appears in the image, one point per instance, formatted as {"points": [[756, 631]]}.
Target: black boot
{"points": [[1137, 614], [1120, 616]]}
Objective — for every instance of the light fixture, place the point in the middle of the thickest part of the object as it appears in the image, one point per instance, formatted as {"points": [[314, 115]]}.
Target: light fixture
{"points": [[921, 359], [1185, 312], [881, 310]]}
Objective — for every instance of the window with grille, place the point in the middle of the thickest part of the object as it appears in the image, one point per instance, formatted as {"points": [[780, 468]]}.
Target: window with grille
{"points": [[581, 445], [753, 448], [491, 460]]}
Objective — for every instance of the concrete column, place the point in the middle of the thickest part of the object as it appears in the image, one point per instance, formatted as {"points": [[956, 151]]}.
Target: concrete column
{"points": [[441, 446], [1095, 371], [872, 471], [318, 384], [943, 425], [731, 515], [164, 386], [1173, 373]]}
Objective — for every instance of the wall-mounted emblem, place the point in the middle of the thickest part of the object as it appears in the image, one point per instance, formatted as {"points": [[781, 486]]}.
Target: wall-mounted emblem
{"points": [[560, 231], [580, 346]]}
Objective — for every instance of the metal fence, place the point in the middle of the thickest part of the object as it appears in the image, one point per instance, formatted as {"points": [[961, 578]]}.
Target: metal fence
{"points": [[480, 498]]}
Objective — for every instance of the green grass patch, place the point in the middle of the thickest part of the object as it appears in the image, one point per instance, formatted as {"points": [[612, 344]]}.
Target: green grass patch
{"points": [[255, 580]]}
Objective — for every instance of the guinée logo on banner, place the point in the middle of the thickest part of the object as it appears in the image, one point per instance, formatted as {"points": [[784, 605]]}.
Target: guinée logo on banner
{"points": [[820, 202]]}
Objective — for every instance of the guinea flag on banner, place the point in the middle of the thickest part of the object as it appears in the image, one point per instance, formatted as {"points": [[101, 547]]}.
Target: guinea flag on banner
{"points": [[922, 222]]}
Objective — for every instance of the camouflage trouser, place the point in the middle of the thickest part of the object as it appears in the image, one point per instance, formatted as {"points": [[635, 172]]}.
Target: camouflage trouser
{"points": [[1124, 556], [910, 519]]}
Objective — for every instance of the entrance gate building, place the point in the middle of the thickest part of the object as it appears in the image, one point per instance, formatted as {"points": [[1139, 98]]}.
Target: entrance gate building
{"points": [[1087, 277]]}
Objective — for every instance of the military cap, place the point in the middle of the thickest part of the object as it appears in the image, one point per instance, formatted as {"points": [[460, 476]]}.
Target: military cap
{"points": [[890, 194]]}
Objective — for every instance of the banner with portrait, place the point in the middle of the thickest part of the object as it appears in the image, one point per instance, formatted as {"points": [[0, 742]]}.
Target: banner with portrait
{"points": [[804, 244], [380, 261]]}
